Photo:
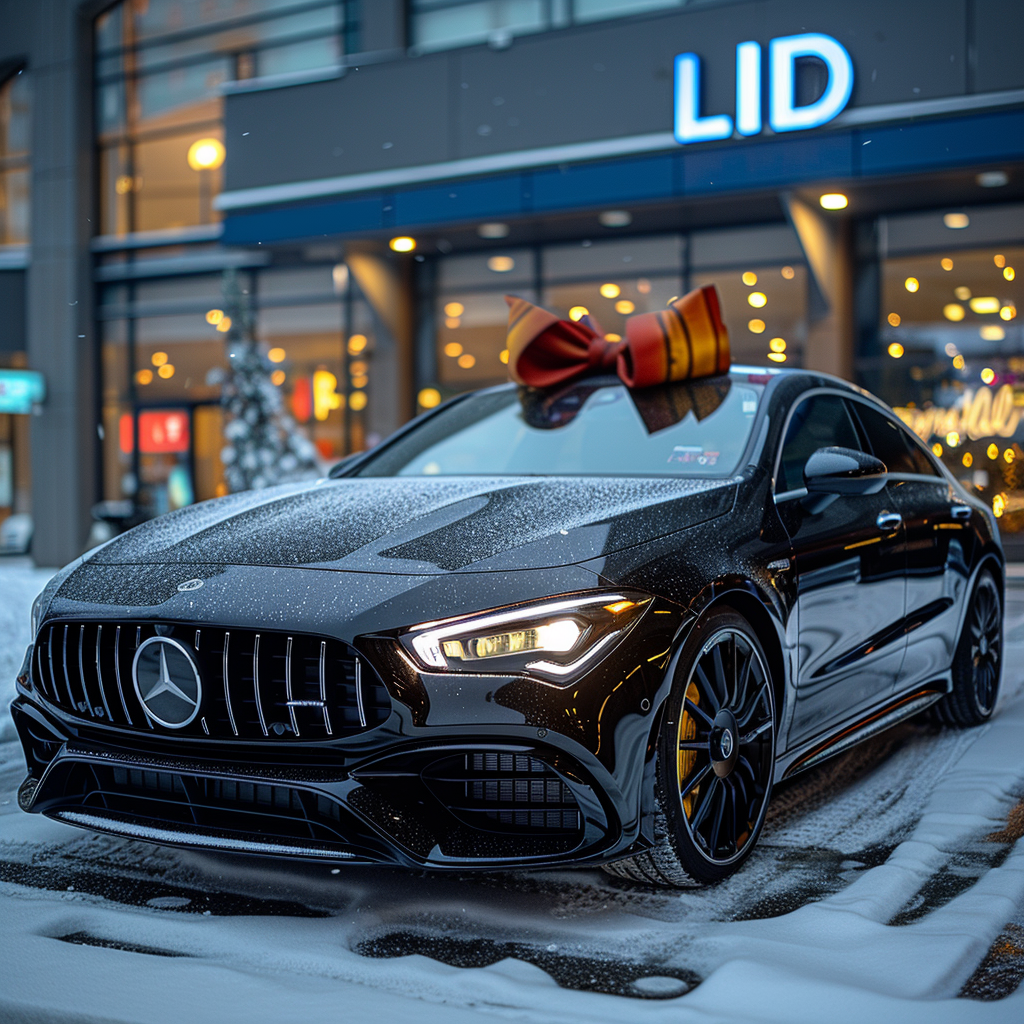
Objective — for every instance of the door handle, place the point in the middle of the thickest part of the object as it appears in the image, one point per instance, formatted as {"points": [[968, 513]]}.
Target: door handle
{"points": [[888, 520], [960, 511]]}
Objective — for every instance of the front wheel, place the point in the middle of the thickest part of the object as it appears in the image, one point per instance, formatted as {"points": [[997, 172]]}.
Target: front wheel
{"points": [[716, 756]]}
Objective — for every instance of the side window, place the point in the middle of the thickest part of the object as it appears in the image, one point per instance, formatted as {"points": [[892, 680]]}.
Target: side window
{"points": [[890, 443], [819, 422]]}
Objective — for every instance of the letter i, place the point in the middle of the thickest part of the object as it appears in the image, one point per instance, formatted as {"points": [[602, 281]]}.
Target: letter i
{"points": [[748, 88]]}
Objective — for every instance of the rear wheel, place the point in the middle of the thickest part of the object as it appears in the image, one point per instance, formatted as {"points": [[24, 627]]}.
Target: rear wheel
{"points": [[716, 755], [978, 662]]}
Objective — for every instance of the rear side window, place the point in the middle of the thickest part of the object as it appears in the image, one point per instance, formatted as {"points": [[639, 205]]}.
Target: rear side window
{"points": [[890, 443], [819, 422]]}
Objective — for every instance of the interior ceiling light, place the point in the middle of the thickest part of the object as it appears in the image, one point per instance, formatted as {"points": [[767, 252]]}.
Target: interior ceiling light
{"points": [[992, 179], [912, 284], [493, 229], [206, 154], [956, 221], [501, 264], [403, 243], [615, 218], [610, 291], [946, 263], [953, 311], [985, 304], [834, 201], [749, 278]]}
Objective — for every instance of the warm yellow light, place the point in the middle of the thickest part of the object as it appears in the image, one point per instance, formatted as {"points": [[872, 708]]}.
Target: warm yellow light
{"points": [[673, 299], [777, 344], [206, 154], [501, 264], [402, 243], [467, 361], [225, 325], [277, 378], [610, 291], [429, 398], [325, 397], [214, 316], [992, 451], [503, 355], [937, 450], [952, 439], [578, 312], [624, 306], [613, 337], [1008, 312], [619, 606], [896, 350], [946, 263], [158, 358], [777, 357], [749, 278], [757, 299], [968, 459], [451, 322], [956, 220], [755, 326], [963, 293], [166, 371], [643, 286], [356, 344], [992, 332], [985, 304], [454, 309], [144, 377], [834, 201], [276, 355], [958, 362], [453, 349], [988, 375], [894, 319], [999, 505], [1008, 455], [360, 381], [1009, 273], [358, 368], [953, 311], [358, 401], [123, 185], [788, 273], [911, 284], [999, 260]]}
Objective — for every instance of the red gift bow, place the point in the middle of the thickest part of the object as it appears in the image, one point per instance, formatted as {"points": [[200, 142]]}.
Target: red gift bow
{"points": [[688, 339]]}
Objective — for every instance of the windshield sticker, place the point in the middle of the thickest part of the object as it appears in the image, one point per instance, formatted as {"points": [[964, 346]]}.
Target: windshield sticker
{"points": [[693, 454]]}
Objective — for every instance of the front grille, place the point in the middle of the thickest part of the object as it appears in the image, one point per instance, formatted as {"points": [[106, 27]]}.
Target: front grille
{"points": [[504, 792], [260, 685]]}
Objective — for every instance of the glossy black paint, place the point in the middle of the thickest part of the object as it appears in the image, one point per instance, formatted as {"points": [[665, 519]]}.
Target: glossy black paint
{"points": [[857, 606]]}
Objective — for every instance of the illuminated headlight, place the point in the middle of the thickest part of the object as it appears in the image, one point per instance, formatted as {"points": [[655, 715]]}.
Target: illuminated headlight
{"points": [[556, 638]]}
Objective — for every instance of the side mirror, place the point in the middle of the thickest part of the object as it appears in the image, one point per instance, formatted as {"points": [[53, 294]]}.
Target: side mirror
{"points": [[830, 472]]}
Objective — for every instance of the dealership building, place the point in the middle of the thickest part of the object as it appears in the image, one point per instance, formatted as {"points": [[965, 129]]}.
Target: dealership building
{"points": [[365, 180]]}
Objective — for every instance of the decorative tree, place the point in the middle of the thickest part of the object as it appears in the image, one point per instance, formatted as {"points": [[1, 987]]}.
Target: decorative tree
{"points": [[264, 444]]}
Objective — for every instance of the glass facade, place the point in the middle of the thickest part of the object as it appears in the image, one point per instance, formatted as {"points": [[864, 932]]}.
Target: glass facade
{"points": [[950, 351], [160, 65], [15, 145], [759, 272]]}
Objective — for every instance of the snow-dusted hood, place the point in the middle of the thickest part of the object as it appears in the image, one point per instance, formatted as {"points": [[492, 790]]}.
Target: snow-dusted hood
{"points": [[424, 526]]}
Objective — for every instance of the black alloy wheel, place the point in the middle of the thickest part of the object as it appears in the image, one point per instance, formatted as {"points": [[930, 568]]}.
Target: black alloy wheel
{"points": [[716, 756], [978, 662]]}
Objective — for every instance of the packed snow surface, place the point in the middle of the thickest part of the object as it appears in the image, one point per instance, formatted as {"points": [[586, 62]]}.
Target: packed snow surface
{"points": [[888, 886]]}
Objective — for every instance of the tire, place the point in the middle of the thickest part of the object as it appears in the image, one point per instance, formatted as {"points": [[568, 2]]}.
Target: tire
{"points": [[978, 660], [715, 759]]}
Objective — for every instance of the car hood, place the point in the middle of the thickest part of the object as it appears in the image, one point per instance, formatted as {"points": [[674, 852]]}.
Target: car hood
{"points": [[424, 526]]}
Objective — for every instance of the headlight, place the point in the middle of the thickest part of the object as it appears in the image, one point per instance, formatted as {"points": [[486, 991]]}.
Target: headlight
{"points": [[556, 638], [37, 611]]}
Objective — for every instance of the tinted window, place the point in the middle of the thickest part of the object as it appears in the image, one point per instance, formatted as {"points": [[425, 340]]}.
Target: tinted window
{"points": [[818, 422], [591, 429], [890, 443]]}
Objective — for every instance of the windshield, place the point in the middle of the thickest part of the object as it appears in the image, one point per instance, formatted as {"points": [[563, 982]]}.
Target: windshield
{"points": [[695, 429]]}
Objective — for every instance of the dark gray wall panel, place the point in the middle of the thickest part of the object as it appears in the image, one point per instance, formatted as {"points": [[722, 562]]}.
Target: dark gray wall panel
{"points": [[998, 30], [12, 310]]}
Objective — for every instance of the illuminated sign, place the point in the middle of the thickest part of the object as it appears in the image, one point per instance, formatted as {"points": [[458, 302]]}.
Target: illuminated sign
{"points": [[20, 390], [161, 431], [984, 413], [783, 113]]}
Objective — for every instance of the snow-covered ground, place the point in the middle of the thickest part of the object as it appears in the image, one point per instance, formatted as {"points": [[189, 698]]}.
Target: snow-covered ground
{"points": [[888, 886]]}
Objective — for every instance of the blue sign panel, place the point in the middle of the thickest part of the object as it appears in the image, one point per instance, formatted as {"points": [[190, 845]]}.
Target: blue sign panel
{"points": [[20, 390], [783, 113]]}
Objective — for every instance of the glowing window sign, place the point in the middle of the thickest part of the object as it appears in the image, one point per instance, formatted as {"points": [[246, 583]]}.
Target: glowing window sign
{"points": [[783, 113], [20, 390]]}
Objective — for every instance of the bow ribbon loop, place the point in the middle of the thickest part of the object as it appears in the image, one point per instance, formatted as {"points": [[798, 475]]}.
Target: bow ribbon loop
{"points": [[686, 340]]}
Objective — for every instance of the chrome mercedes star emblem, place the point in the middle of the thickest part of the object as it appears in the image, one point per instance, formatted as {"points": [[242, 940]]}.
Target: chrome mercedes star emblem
{"points": [[167, 682]]}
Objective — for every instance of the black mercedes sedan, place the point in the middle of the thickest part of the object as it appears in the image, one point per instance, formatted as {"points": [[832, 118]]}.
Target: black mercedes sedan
{"points": [[590, 625]]}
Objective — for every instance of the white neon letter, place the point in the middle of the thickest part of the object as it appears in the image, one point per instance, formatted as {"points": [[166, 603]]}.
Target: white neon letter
{"points": [[689, 125], [748, 88], [784, 115]]}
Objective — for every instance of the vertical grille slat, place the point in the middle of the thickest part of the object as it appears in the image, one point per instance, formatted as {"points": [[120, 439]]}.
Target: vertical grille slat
{"points": [[261, 686]]}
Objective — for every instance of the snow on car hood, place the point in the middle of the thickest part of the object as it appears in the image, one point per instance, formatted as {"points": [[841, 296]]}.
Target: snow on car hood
{"points": [[406, 525]]}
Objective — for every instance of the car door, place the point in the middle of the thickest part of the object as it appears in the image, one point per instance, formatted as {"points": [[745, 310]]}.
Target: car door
{"points": [[850, 561], [937, 522]]}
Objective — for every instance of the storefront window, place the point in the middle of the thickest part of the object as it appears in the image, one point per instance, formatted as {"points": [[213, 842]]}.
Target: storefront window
{"points": [[15, 127], [950, 360], [160, 65]]}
